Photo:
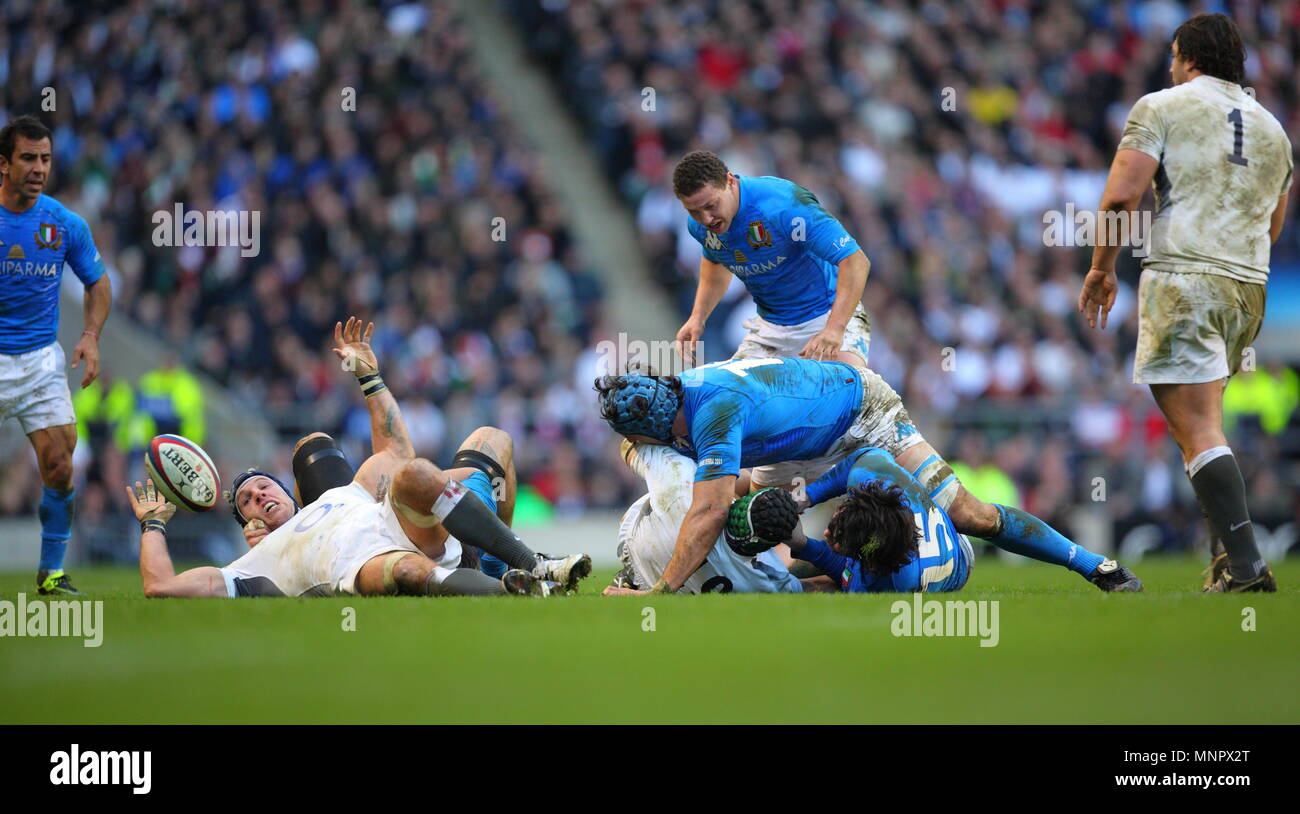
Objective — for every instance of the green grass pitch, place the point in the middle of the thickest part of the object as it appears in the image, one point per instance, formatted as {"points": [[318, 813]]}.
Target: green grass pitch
{"points": [[1066, 653]]}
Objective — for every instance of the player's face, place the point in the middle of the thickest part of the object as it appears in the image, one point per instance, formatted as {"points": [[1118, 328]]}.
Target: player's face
{"points": [[714, 207], [262, 499], [29, 167], [1177, 66]]}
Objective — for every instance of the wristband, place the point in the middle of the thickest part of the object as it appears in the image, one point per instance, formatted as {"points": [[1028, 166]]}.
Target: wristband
{"points": [[371, 384], [661, 587], [153, 524], [91, 334]]}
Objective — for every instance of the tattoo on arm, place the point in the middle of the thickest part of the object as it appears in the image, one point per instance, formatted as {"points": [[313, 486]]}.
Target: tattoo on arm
{"points": [[382, 489]]}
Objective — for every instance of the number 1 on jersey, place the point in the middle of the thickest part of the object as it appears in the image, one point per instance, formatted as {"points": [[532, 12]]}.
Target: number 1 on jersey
{"points": [[1237, 137]]}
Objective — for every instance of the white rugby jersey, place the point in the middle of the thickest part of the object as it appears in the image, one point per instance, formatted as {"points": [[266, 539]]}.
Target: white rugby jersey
{"points": [[650, 527], [322, 547], [1224, 161]]}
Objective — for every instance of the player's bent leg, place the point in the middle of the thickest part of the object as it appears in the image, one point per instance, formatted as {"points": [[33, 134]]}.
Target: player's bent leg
{"points": [[1009, 528], [1195, 415], [54, 446], [492, 451], [425, 496], [408, 574], [318, 466]]}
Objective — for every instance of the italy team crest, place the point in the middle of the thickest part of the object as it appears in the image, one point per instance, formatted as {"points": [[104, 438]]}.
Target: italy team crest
{"points": [[48, 236], [758, 236]]}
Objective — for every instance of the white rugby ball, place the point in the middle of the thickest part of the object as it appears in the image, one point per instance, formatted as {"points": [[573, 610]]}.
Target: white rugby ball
{"points": [[183, 472]]}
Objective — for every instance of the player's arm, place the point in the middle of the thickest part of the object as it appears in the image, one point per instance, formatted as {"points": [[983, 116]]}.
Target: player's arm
{"points": [[85, 261], [1279, 217], [713, 285], [156, 570], [832, 484], [806, 221], [852, 281], [387, 429], [710, 500], [1135, 164]]}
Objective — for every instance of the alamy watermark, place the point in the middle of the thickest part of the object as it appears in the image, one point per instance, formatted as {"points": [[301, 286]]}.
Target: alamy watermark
{"points": [[952, 617], [658, 357], [1088, 227], [213, 227], [60, 617]]}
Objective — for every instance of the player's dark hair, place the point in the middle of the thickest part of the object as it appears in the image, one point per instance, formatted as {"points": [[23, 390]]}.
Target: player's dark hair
{"points": [[697, 169], [1212, 43], [874, 526], [27, 126]]}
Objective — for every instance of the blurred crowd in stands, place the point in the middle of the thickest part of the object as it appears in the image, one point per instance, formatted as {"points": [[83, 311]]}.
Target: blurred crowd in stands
{"points": [[385, 202], [390, 185], [940, 134]]}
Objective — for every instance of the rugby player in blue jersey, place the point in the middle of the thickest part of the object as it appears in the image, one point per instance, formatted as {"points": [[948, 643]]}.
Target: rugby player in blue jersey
{"points": [[38, 237], [805, 272], [751, 412]]}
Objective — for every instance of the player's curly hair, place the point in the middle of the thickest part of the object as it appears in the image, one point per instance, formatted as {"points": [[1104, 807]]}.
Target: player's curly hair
{"points": [[1212, 43], [27, 126], [695, 170], [875, 526]]}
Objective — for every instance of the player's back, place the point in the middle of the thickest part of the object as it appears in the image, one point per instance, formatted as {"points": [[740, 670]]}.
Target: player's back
{"points": [[773, 409], [1224, 161]]}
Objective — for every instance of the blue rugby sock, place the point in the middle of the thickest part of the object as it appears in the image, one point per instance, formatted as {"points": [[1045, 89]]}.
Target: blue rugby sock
{"points": [[1026, 535], [56, 527]]}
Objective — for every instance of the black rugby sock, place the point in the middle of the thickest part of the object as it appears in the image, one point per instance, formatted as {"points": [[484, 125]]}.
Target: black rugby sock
{"points": [[1222, 494]]}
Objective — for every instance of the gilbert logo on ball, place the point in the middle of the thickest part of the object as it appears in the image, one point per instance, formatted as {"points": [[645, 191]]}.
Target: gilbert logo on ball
{"points": [[183, 472]]}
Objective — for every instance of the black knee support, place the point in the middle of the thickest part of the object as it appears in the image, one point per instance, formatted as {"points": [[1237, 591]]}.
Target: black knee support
{"points": [[477, 460], [318, 466]]}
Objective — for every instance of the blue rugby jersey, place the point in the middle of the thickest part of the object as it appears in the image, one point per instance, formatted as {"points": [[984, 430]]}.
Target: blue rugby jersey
{"points": [[783, 246], [34, 246], [943, 559]]}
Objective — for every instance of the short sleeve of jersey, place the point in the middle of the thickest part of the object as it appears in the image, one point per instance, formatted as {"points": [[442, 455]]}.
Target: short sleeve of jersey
{"points": [[82, 255], [717, 431], [1145, 130], [804, 220], [667, 474]]}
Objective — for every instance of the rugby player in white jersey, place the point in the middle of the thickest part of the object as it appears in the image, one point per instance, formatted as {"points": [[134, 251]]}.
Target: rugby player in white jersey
{"points": [[396, 527], [648, 534], [1222, 169]]}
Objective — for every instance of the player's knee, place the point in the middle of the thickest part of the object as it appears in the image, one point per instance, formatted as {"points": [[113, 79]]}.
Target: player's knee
{"points": [[410, 574], [306, 438], [56, 470], [418, 484], [494, 442]]}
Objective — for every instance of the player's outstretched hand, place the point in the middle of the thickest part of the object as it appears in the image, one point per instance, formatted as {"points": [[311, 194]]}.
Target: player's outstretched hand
{"points": [[87, 348], [147, 504], [824, 346], [353, 347], [687, 341], [1098, 293]]}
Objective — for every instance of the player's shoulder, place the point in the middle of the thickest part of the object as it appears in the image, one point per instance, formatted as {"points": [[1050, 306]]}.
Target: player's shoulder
{"points": [[55, 210], [773, 194]]}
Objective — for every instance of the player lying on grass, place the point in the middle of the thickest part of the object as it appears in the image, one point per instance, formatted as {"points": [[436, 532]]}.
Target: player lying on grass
{"points": [[744, 413], [651, 524], [389, 530]]}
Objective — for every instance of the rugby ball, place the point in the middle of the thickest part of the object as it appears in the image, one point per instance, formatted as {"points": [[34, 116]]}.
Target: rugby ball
{"points": [[183, 472]]}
